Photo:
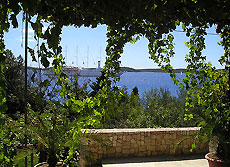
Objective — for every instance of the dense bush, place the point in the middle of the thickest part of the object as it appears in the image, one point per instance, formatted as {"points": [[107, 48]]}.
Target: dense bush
{"points": [[164, 110], [45, 106], [156, 108], [120, 110], [12, 129], [15, 83]]}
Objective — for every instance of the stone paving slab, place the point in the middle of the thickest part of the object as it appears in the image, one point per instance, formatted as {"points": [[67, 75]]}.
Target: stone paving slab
{"points": [[158, 161]]}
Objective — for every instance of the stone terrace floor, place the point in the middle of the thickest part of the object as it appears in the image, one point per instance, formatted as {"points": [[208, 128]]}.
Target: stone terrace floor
{"points": [[158, 161]]}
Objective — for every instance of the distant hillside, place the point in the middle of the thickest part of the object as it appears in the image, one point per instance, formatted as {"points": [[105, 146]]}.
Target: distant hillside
{"points": [[128, 69]]}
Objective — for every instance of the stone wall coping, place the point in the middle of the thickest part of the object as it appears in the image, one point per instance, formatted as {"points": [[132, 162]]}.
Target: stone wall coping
{"points": [[101, 131]]}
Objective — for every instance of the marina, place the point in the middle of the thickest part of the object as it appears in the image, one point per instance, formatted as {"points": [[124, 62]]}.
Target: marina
{"points": [[82, 72]]}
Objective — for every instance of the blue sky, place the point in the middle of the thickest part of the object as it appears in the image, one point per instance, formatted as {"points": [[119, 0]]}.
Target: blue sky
{"points": [[82, 44]]}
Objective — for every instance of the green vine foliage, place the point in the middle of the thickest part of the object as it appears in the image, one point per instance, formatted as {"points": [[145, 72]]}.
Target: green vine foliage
{"points": [[208, 92], [126, 20]]}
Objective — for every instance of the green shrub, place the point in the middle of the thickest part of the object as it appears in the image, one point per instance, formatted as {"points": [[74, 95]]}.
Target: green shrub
{"points": [[164, 110]]}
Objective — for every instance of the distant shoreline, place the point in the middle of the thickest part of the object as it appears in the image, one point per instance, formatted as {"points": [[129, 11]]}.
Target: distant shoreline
{"points": [[157, 70], [128, 69]]}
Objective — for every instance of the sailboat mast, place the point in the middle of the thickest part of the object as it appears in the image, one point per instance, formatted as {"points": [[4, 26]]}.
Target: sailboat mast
{"points": [[88, 57], [66, 55], [77, 56], [99, 61], [100, 54]]}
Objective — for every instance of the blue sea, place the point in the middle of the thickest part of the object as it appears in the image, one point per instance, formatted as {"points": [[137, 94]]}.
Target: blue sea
{"points": [[144, 81]]}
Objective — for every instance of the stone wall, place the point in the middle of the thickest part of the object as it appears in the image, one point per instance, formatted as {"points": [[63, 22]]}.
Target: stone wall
{"points": [[97, 144]]}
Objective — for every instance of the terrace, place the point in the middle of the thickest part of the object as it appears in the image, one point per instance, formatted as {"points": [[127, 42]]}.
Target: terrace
{"points": [[196, 160]]}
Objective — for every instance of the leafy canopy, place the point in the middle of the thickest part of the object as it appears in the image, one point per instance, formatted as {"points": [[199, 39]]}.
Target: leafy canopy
{"points": [[127, 20]]}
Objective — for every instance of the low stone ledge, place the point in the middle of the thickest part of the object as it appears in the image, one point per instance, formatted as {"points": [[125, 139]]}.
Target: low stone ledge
{"points": [[143, 130], [97, 144]]}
